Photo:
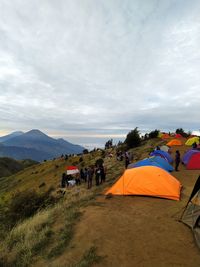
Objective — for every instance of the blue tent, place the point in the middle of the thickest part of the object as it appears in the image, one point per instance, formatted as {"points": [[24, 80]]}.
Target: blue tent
{"points": [[164, 163], [147, 162], [162, 154]]}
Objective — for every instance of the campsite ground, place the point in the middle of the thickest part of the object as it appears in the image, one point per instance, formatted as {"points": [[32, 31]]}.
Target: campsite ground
{"points": [[126, 231], [137, 231]]}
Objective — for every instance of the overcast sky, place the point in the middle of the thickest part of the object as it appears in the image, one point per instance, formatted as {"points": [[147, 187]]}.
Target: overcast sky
{"points": [[99, 68]]}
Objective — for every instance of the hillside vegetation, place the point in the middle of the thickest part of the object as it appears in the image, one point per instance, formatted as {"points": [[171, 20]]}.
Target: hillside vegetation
{"points": [[9, 166], [80, 227]]}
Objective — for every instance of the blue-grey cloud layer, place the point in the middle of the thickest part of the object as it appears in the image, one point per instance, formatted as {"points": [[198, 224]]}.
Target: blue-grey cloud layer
{"points": [[97, 66]]}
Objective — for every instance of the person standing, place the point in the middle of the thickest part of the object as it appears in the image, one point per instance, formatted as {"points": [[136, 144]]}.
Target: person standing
{"points": [[127, 162], [97, 175], [177, 160], [86, 174], [77, 179], [82, 175], [63, 180], [194, 145], [102, 174], [90, 173]]}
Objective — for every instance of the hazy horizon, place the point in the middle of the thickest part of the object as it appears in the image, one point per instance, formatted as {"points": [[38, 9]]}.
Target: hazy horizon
{"points": [[95, 141]]}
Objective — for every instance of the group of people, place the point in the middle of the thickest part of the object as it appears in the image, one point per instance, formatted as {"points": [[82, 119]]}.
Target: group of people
{"points": [[86, 175]]}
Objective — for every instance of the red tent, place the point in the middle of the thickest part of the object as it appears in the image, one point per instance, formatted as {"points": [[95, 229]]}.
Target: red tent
{"points": [[194, 162], [178, 136]]}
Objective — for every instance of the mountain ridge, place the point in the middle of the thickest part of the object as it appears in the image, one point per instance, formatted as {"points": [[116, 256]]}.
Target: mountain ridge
{"points": [[36, 142], [9, 136]]}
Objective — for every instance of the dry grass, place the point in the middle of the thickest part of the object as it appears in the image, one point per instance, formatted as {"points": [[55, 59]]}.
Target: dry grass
{"points": [[89, 258], [27, 239], [47, 235]]}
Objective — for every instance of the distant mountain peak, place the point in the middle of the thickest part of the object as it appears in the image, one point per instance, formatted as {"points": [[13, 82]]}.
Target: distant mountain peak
{"points": [[17, 133], [41, 144], [35, 132]]}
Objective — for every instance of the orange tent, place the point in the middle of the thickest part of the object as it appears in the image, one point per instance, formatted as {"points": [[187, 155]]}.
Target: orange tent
{"points": [[174, 142], [165, 136], [147, 181]]}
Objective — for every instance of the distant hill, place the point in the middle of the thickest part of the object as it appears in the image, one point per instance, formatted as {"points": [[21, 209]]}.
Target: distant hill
{"points": [[37, 146], [10, 136], [10, 166], [21, 153]]}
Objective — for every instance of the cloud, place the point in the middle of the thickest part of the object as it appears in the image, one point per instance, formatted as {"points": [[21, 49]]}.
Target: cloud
{"points": [[99, 67]]}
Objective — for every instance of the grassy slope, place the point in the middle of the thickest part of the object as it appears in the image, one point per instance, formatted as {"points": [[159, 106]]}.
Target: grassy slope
{"points": [[52, 223], [10, 166], [48, 173], [53, 236]]}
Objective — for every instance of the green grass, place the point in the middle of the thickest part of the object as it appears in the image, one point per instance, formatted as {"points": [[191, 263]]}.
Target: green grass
{"points": [[26, 240], [89, 258], [66, 233]]}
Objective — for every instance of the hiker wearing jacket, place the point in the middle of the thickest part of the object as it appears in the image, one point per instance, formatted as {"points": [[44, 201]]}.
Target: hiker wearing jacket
{"points": [[102, 174], [177, 160], [90, 173], [97, 175]]}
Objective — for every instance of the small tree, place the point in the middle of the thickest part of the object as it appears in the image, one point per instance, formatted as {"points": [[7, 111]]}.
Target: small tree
{"points": [[109, 144], [153, 134], [133, 138], [85, 151], [120, 143], [182, 132], [25, 204]]}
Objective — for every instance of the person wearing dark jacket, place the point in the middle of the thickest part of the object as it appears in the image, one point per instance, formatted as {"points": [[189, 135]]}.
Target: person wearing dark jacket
{"points": [[194, 145], [102, 174], [90, 173], [82, 175], [97, 175], [63, 180], [127, 162], [177, 160]]}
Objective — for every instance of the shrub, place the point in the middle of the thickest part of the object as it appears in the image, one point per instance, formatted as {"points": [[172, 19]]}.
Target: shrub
{"points": [[153, 134], [80, 159], [23, 205], [28, 239], [133, 138], [89, 258], [182, 132], [85, 151], [99, 162]]}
